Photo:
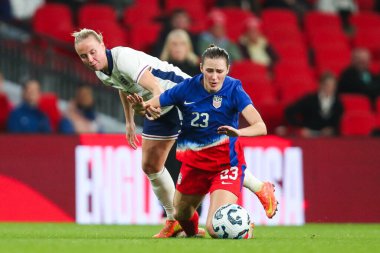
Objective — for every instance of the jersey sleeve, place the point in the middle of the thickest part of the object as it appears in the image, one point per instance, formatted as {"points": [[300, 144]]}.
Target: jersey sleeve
{"points": [[241, 98], [132, 63], [175, 95]]}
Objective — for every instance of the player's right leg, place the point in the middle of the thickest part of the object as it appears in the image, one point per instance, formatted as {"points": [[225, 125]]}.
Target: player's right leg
{"points": [[158, 138], [187, 215], [154, 153]]}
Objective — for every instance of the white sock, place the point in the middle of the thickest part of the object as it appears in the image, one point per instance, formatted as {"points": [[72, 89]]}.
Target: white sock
{"points": [[163, 186], [251, 182]]}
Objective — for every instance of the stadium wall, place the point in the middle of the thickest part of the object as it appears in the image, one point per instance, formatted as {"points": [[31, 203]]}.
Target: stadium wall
{"points": [[83, 178]]}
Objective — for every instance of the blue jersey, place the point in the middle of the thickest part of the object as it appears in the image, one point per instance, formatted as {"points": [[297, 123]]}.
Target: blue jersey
{"points": [[199, 144]]}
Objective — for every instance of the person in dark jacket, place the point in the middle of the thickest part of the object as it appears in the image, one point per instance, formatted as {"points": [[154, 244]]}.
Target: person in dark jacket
{"points": [[317, 114], [358, 78], [27, 118]]}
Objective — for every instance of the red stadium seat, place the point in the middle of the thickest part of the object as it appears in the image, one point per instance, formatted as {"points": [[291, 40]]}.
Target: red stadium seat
{"points": [[327, 38], [140, 14], [284, 73], [265, 100], [333, 59], [292, 91], [276, 16], [255, 80], [357, 123], [234, 28], [315, 20], [5, 109], [250, 71], [113, 34], [284, 34], [99, 12], [366, 5], [43, 22], [355, 102], [291, 53], [365, 20], [261, 94], [377, 105], [49, 105], [144, 35], [293, 81], [369, 39]]}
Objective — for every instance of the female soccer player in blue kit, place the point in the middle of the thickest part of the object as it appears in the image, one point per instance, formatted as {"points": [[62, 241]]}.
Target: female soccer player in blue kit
{"points": [[208, 146]]}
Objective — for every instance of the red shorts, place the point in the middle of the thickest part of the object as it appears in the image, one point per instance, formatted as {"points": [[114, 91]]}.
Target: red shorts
{"points": [[195, 181]]}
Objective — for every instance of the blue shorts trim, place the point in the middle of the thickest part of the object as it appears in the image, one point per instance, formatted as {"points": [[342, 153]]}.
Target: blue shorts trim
{"points": [[167, 127]]}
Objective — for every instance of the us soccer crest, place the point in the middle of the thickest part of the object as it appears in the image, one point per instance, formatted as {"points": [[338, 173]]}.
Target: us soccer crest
{"points": [[217, 101]]}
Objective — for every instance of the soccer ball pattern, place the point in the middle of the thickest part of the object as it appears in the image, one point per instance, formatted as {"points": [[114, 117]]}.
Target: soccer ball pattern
{"points": [[231, 221]]}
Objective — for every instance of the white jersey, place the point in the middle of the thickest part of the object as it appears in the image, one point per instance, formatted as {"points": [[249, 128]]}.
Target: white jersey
{"points": [[127, 65]]}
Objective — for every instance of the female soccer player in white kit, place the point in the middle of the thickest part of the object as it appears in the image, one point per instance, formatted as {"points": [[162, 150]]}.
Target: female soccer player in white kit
{"points": [[134, 72]]}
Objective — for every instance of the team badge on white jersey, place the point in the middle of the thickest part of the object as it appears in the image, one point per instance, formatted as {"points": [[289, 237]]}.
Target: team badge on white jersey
{"points": [[217, 101]]}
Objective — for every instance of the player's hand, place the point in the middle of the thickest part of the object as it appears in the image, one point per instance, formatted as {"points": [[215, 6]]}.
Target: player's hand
{"points": [[137, 103], [152, 113], [228, 130], [131, 136]]}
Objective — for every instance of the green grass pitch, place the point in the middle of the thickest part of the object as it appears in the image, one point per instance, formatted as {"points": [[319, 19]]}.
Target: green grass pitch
{"points": [[73, 238]]}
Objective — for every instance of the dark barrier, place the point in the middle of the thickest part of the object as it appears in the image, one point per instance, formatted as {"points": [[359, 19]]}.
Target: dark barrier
{"points": [[37, 176], [341, 179]]}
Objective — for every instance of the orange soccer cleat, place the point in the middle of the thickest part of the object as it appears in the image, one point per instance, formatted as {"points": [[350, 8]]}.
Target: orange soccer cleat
{"points": [[201, 234], [171, 229], [268, 199]]}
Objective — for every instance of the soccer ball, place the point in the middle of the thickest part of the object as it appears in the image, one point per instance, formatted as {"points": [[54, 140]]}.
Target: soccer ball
{"points": [[231, 221]]}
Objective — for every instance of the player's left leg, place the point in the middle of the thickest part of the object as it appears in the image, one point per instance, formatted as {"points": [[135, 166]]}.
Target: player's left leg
{"points": [[217, 199], [264, 191]]}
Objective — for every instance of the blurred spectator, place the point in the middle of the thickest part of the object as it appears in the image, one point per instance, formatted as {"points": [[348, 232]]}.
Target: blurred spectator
{"points": [[317, 114], [342, 7], [357, 78], [216, 34], [178, 51], [179, 19], [27, 118], [255, 46], [81, 111], [5, 105]]}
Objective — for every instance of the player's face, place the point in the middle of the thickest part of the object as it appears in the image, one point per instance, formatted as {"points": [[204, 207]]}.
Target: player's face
{"points": [[92, 53], [214, 72]]}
